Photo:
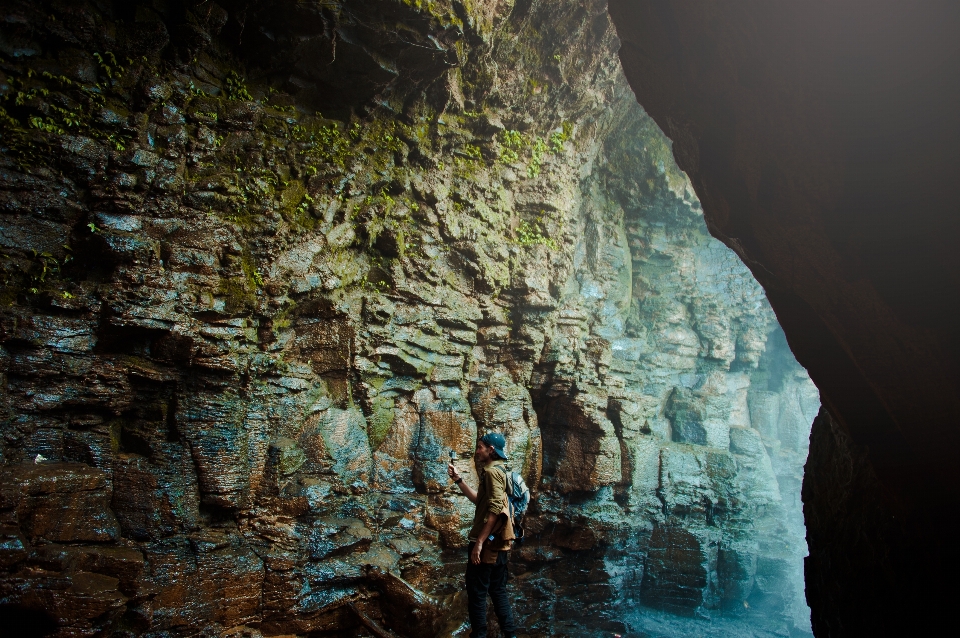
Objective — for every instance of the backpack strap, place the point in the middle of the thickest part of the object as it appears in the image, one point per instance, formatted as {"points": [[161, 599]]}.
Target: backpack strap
{"points": [[511, 492]]}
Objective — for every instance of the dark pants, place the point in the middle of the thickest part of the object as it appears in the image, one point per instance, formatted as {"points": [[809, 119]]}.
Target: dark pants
{"points": [[481, 580]]}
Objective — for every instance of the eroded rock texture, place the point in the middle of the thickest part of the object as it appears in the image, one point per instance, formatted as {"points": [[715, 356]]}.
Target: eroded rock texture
{"points": [[266, 264]]}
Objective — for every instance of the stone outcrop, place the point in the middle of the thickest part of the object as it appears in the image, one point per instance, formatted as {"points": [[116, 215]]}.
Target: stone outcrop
{"points": [[266, 264], [822, 141]]}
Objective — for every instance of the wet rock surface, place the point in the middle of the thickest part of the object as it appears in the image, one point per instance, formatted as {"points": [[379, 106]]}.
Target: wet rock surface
{"points": [[266, 264]]}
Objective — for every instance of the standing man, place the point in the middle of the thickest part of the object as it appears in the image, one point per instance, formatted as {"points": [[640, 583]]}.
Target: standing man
{"points": [[490, 537]]}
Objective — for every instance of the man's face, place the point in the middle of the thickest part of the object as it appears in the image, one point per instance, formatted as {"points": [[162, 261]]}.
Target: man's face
{"points": [[484, 453]]}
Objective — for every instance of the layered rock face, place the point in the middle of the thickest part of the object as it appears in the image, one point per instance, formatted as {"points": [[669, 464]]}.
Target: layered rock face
{"points": [[266, 265]]}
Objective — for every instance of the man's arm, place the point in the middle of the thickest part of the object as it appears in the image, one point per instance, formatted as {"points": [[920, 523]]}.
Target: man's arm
{"points": [[496, 482], [466, 489], [484, 534]]}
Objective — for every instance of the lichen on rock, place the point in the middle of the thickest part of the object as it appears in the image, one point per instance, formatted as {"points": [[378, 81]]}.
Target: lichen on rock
{"points": [[266, 264]]}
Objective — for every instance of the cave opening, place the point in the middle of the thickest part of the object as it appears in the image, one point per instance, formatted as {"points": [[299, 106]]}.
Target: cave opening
{"points": [[675, 420], [266, 264]]}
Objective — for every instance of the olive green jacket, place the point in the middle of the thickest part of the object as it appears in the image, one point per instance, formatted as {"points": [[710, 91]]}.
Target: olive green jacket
{"points": [[492, 499]]}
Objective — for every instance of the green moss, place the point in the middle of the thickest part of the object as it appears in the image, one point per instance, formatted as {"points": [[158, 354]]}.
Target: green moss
{"points": [[243, 218], [441, 12], [238, 297], [239, 292], [292, 197], [529, 49], [381, 420], [282, 320], [204, 109], [254, 279], [115, 429]]}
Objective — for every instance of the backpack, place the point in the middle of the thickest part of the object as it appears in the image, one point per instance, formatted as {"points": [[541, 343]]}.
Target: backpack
{"points": [[518, 495]]}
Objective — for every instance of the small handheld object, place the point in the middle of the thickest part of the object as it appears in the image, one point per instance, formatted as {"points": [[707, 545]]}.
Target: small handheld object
{"points": [[451, 471]]}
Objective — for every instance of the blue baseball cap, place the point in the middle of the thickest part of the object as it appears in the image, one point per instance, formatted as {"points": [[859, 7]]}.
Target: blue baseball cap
{"points": [[497, 442]]}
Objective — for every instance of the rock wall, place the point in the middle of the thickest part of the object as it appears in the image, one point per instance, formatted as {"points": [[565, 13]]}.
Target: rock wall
{"points": [[674, 418], [265, 264]]}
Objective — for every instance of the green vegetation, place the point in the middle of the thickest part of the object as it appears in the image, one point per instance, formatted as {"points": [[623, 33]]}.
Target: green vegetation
{"points": [[473, 152], [39, 272], [512, 139], [441, 12], [196, 91], [109, 65], [511, 143], [41, 107], [293, 172], [536, 158], [528, 234], [45, 264], [536, 87], [235, 88], [557, 138]]}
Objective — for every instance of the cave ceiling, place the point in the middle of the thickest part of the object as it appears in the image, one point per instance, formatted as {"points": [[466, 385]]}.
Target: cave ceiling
{"points": [[822, 139]]}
